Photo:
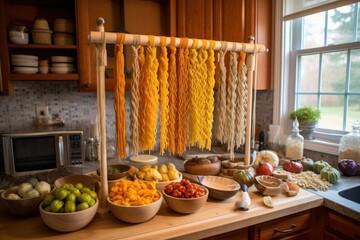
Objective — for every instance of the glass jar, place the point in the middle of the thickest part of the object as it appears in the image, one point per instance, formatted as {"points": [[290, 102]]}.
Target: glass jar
{"points": [[294, 143], [349, 147], [90, 153]]}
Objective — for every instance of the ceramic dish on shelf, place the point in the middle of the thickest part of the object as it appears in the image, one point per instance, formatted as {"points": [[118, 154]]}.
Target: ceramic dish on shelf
{"points": [[25, 63], [26, 70], [68, 65], [62, 59], [24, 57], [62, 70]]}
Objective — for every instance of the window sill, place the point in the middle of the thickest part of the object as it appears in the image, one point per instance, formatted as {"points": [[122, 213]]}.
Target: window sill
{"points": [[322, 146]]}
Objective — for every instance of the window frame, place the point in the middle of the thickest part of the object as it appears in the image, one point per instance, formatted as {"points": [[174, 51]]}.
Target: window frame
{"points": [[326, 141]]}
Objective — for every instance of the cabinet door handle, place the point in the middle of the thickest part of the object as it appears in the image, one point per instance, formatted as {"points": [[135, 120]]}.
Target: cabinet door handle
{"points": [[292, 227]]}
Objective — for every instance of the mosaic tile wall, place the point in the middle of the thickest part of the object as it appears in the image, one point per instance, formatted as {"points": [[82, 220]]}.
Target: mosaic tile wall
{"points": [[79, 109]]}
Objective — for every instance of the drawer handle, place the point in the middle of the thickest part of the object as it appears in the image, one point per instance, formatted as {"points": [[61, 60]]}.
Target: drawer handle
{"points": [[292, 227]]}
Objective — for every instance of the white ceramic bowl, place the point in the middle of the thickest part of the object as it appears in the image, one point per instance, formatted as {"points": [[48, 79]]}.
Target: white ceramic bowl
{"points": [[62, 70], [25, 63], [21, 207], [18, 37], [220, 188], [135, 214], [185, 205], [44, 70], [62, 59], [68, 222], [24, 57], [26, 70]]}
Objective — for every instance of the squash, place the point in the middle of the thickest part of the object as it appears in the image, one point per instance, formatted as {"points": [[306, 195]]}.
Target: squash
{"points": [[294, 166], [266, 156], [330, 174], [308, 164], [244, 177], [319, 165]]}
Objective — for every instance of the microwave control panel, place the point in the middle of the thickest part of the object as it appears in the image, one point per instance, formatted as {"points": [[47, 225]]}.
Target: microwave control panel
{"points": [[76, 149]]}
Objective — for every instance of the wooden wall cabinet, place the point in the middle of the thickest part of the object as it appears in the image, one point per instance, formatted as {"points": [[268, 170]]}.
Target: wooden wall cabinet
{"points": [[227, 20], [25, 12]]}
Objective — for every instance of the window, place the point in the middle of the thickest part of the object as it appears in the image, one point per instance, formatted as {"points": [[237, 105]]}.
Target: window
{"points": [[320, 66]]}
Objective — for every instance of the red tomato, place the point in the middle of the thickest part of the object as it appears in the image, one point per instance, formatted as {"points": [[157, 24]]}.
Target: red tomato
{"points": [[264, 169]]}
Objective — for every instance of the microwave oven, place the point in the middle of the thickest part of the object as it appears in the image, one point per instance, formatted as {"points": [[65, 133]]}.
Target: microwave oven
{"points": [[35, 152]]}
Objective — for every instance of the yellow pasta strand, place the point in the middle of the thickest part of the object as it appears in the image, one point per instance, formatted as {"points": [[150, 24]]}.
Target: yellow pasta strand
{"points": [[209, 97], [240, 126], [119, 98], [173, 88], [194, 97], [164, 95], [182, 96], [150, 99], [142, 88]]}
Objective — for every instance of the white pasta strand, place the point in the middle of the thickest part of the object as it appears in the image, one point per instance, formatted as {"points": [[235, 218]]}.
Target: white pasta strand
{"points": [[231, 103], [134, 103], [241, 99], [220, 107]]}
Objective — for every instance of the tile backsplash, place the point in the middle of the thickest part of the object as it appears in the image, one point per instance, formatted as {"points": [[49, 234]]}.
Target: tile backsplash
{"points": [[79, 110]]}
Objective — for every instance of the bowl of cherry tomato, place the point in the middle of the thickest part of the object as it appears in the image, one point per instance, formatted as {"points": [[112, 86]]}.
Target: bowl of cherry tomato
{"points": [[184, 196]]}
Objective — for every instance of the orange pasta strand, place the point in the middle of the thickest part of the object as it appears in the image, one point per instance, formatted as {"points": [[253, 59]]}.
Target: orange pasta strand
{"points": [[173, 87], [119, 98], [164, 95]]}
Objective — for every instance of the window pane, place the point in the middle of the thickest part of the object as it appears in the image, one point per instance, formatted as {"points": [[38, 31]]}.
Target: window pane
{"points": [[341, 25], [309, 73], [333, 72], [332, 109], [358, 24], [314, 30], [353, 111], [307, 100], [354, 71], [292, 6]]}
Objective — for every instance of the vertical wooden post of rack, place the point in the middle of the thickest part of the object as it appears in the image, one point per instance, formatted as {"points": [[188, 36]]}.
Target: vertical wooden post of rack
{"points": [[102, 59], [250, 64]]}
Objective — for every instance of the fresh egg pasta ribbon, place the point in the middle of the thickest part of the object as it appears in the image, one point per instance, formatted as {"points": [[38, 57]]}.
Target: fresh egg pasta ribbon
{"points": [[240, 126], [164, 95], [119, 98]]}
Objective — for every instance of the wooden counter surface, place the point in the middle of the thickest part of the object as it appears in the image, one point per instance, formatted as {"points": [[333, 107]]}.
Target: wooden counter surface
{"points": [[214, 218]]}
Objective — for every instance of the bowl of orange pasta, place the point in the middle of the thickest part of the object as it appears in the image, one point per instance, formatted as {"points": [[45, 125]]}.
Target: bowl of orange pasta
{"points": [[134, 201]]}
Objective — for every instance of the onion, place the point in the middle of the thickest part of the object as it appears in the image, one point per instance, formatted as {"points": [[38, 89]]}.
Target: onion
{"points": [[348, 167]]}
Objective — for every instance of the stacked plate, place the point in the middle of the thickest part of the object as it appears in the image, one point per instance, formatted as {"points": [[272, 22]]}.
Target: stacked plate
{"points": [[27, 64], [62, 64]]}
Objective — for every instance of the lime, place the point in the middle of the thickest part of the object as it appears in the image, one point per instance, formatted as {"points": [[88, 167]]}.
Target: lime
{"points": [[79, 185], [268, 202], [84, 197], [56, 205], [85, 190], [48, 199], [82, 206], [70, 206], [71, 197], [93, 194], [76, 192], [92, 202], [61, 193]]}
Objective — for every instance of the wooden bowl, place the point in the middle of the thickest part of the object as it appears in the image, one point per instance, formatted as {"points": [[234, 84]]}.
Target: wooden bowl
{"points": [[135, 214], [220, 188], [268, 185], [185, 205], [194, 166], [68, 222], [86, 180], [22, 207], [116, 171]]}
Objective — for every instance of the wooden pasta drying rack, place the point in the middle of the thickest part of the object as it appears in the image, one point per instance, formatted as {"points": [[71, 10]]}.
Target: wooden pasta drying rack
{"points": [[100, 38]]}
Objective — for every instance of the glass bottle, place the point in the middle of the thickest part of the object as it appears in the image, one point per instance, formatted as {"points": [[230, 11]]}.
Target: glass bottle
{"points": [[294, 143], [90, 150], [349, 147]]}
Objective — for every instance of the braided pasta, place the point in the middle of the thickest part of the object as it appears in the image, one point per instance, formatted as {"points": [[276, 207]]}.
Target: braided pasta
{"points": [[164, 95], [231, 103], [182, 96], [241, 93], [119, 98], [209, 97], [150, 99], [221, 98], [172, 99]]}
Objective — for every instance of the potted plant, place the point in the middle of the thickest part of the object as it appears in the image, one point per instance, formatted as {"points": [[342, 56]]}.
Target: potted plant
{"points": [[307, 117]]}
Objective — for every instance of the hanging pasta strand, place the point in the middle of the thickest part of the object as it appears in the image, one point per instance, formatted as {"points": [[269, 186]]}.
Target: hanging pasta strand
{"points": [[173, 88], [231, 103], [119, 98], [134, 99], [164, 95], [142, 90], [150, 99], [194, 98], [241, 104], [202, 95], [220, 108], [209, 99], [182, 128]]}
